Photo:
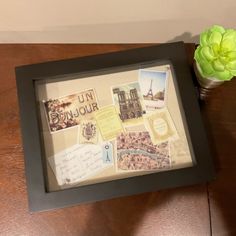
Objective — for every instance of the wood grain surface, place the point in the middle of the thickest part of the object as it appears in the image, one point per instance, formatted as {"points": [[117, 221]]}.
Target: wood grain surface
{"points": [[197, 210]]}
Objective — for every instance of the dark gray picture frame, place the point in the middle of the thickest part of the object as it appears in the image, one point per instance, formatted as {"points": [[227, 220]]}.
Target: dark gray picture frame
{"points": [[173, 54]]}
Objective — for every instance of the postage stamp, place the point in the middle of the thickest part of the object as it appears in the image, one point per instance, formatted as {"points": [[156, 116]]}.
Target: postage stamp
{"points": [[160, 126], [88, 132], [107, 152], [136, 152], [129, 103], [68, 111], [153, 85]]}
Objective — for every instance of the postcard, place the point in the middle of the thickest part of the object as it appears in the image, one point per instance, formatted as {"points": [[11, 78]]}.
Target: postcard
{"points": [[80, 162], [108, 122], [128, 101], [136, 152], [160, 126], [88, 132], [68, 111], [153, 85]]}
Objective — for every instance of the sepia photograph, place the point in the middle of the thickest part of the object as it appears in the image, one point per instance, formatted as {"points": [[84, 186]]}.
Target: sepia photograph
{"points": [[128, 101], [68, 111]]}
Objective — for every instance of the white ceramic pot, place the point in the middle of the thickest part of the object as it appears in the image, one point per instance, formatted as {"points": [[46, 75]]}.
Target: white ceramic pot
{"points": [[206, 84]]}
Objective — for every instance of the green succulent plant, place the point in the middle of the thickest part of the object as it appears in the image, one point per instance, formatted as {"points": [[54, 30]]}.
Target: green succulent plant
{"points": [[216, 54]]}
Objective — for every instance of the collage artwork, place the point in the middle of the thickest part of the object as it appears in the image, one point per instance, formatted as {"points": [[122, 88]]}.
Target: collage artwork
{"points": [[131, 134]]}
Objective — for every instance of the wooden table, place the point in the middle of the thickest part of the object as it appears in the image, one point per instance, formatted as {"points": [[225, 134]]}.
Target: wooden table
{"points": [[197, 210]]}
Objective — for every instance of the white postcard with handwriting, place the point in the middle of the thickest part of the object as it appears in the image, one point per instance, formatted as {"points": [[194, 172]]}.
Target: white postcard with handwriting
{"points": [[80, 161]]}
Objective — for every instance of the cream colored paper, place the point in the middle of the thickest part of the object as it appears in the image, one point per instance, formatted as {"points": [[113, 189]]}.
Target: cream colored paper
{"points": [[160, 126], [108, 122]]}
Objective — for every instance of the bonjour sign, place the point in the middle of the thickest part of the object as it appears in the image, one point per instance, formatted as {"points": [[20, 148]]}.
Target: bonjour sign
{"points": [[68, 111]]}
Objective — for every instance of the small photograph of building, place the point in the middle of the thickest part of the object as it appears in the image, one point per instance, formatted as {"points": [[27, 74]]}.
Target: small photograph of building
{"points": [[127, 99]]}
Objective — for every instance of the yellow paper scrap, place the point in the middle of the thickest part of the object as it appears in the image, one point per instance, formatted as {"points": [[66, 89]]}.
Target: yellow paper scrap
{"points": [[108, 122]]}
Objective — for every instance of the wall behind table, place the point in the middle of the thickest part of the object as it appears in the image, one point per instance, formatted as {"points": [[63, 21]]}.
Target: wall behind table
{"points": [[93, 21]]}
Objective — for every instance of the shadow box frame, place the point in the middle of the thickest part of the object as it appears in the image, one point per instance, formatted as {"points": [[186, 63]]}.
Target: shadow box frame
{"points": [[172, 53]]}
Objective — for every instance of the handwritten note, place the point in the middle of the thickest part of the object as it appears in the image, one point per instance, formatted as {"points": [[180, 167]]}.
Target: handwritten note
{"points": [[79, 162]]}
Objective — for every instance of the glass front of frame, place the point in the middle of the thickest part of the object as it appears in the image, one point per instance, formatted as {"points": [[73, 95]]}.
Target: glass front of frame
{"points": [[117, 125]]}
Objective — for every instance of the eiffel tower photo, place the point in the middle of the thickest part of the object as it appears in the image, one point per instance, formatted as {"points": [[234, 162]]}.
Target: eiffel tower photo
{"points": [[108, 159], [150, 93]]}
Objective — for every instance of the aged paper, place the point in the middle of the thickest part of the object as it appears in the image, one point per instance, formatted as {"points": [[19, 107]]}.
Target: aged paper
{"points": [[136, 152], [79, 162], [88, 132], [108, 122], [160, 126], [68, 111], [153, 85]]}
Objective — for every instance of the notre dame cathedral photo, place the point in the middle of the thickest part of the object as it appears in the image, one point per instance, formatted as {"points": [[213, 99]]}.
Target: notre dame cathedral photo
{"points": [[128, 99]]}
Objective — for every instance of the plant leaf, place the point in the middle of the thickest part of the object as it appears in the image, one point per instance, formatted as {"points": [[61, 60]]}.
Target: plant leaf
{"points": [[229, 34], [233, 72], [228, 45], [223, 75], [218, 28], [208, 53], [196, 53], [223, 60], [215, 37], [207, 69], [216, 48], [231, 56], [218, 66], [199, 56], [231, 65], [204, 38]]}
